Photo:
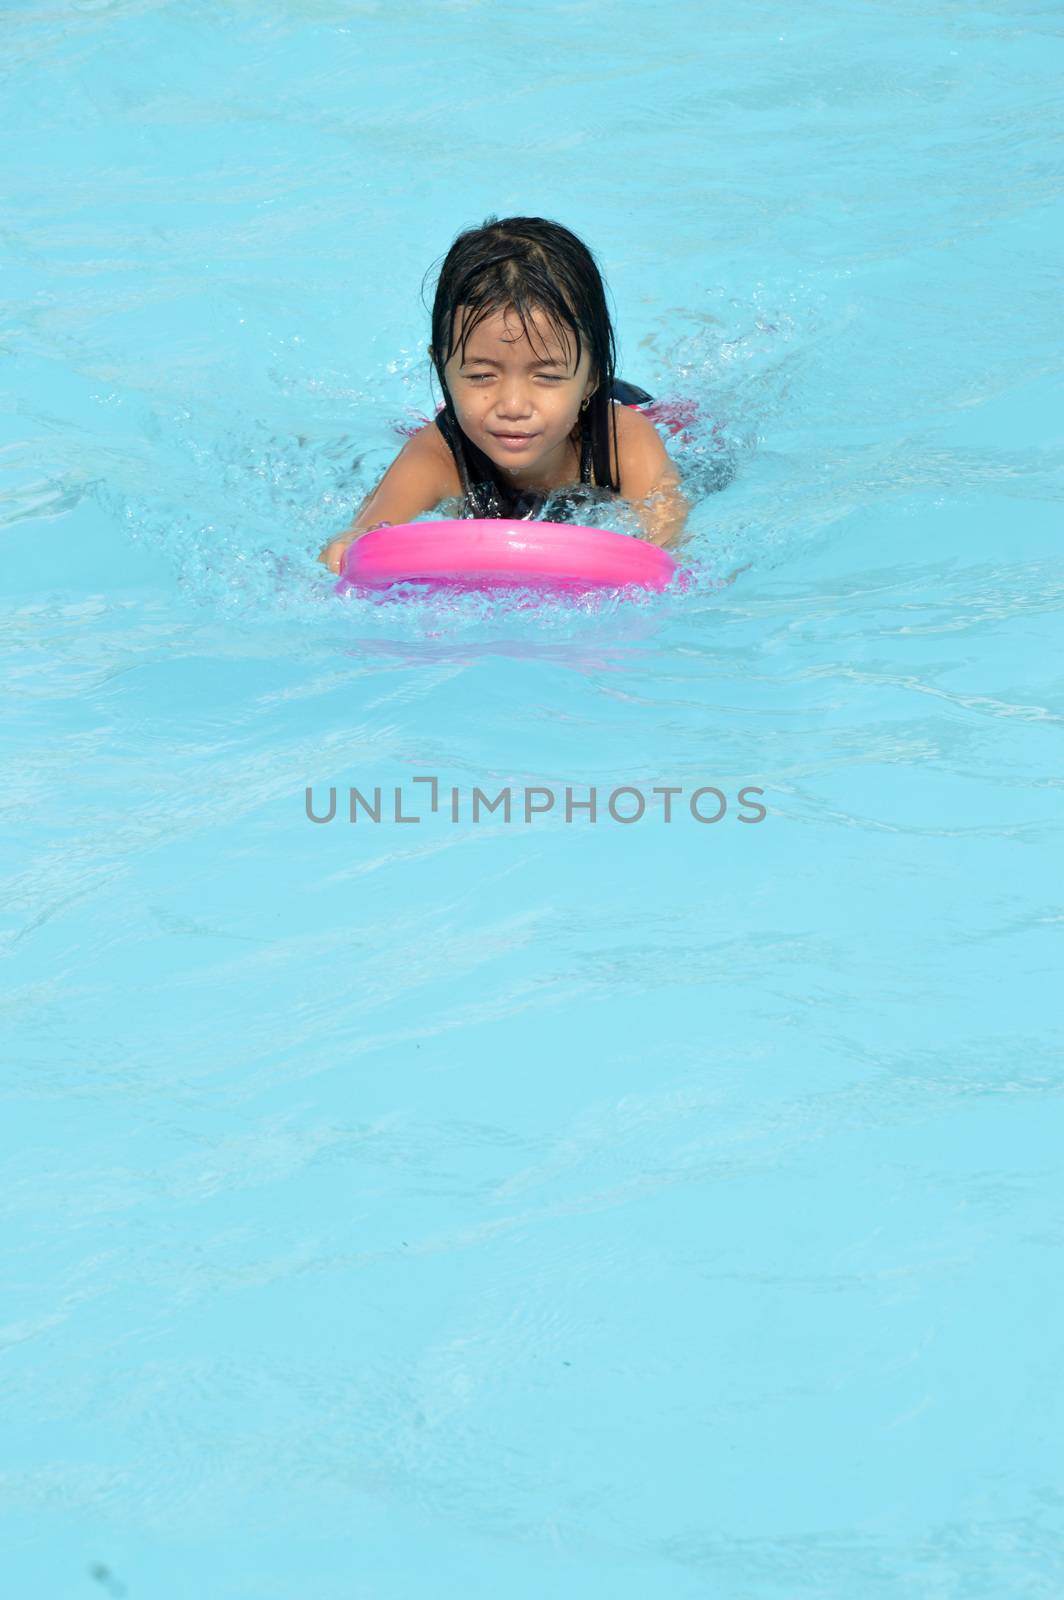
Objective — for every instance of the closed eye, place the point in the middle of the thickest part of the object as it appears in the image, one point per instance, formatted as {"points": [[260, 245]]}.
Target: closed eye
{"points": [[545, 377]]}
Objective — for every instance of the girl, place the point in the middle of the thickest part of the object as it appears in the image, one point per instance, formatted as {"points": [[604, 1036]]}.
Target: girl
{"points": [[524, 350]]}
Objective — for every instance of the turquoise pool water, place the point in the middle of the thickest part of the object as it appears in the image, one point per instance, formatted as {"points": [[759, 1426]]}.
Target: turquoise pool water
{"points": [[541, 1209]]}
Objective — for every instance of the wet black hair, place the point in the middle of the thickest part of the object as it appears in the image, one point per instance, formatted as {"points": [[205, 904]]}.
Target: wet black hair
{"points": [[530, 264]]}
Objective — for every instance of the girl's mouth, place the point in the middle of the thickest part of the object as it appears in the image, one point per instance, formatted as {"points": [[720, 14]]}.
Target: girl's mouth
{"points": [[515, 441]]}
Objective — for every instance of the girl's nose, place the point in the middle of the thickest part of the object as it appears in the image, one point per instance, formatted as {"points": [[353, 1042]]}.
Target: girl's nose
{"points": [[512, 399]]}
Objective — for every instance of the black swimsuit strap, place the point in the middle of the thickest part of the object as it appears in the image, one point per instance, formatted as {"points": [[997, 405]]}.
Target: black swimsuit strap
{"points": [[586, 463]]}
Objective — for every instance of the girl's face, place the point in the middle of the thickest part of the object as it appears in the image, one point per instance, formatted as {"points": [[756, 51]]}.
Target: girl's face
{"points": [[517, 401]]}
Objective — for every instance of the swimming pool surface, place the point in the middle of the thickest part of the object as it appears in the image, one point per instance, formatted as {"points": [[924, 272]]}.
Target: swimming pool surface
{"points": [[549, 1210]]}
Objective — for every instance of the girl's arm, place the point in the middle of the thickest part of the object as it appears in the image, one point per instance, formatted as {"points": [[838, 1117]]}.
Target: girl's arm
{"points": [[418, 479], [650, 480]]}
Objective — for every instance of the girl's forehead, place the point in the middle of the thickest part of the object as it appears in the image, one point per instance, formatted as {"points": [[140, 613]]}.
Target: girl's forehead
{"points": [[503, 329]]}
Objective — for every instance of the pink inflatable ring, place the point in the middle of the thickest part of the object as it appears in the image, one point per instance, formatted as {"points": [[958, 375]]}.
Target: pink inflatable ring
{"points": [[494, 553]]}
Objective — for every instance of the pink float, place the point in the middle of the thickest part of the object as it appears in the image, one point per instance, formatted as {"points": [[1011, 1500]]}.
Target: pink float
{"points": [[493, 553]]}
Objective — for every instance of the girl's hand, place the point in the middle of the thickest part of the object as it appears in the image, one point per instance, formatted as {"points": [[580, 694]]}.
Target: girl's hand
{"points": [[664, 516], [333, 554]]}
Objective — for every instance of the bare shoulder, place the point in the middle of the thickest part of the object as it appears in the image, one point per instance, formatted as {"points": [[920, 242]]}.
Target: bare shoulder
{"points": [[420, 476], [429, 445], [643, 460]]}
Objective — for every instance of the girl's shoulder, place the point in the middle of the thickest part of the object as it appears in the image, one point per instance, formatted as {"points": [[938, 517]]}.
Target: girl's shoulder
{"points": [[643, 461], [631, 422], [429, 444]]}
